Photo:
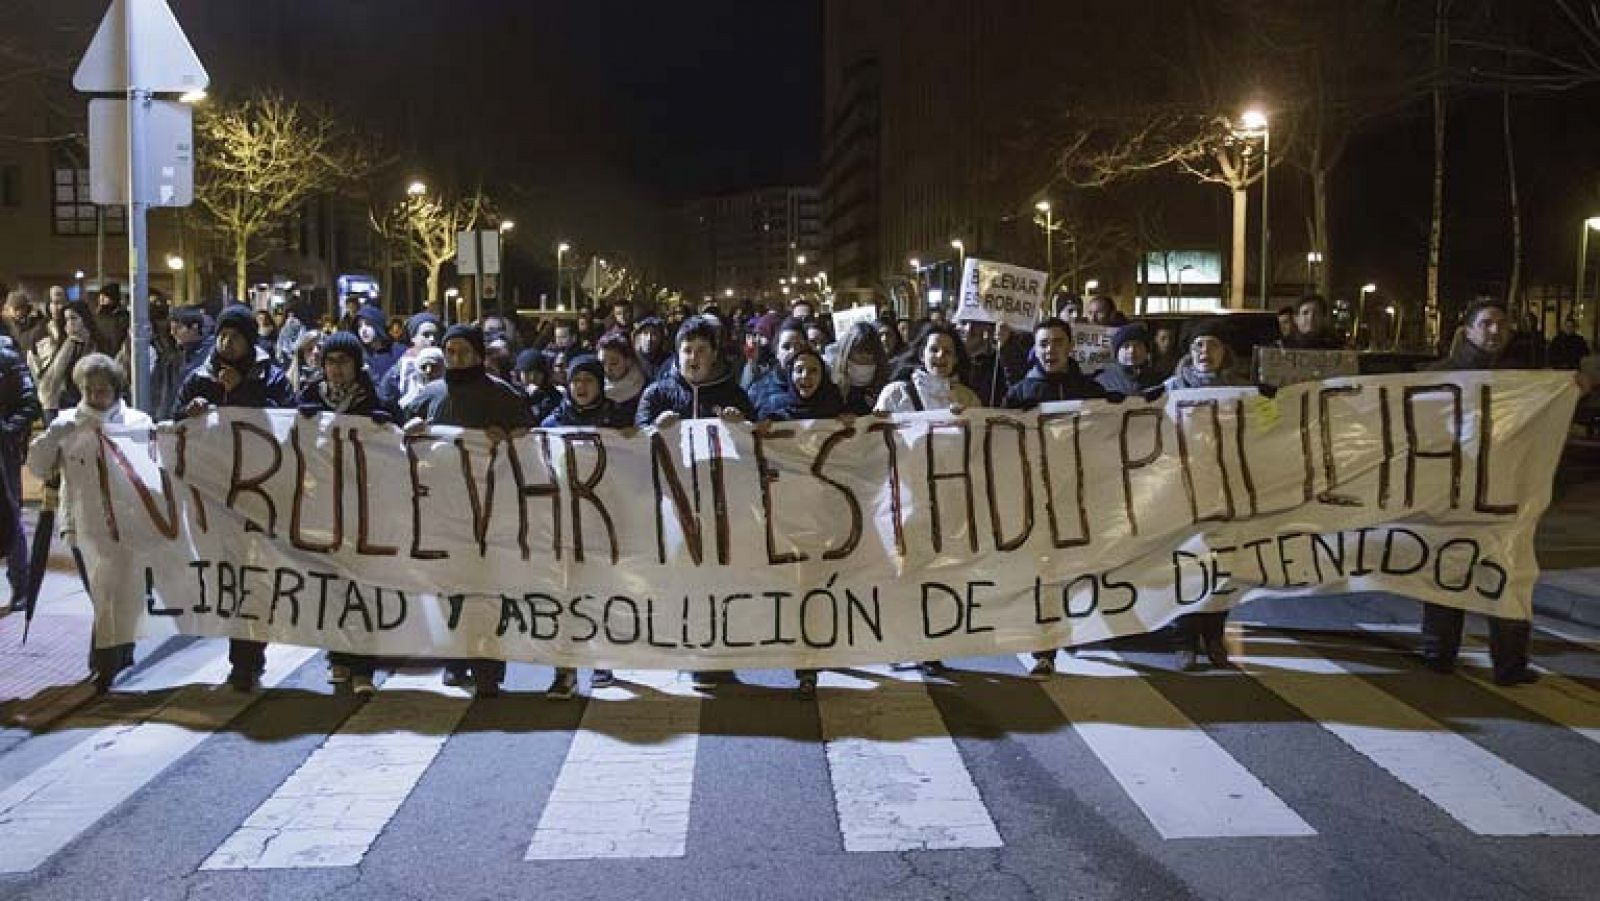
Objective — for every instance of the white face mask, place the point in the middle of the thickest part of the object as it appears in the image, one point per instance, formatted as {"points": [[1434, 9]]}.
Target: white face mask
{"points": [[860, 374]]}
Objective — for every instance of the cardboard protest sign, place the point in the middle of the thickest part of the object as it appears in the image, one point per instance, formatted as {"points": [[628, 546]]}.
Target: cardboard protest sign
{"points": [[998, 292], [1279, 366], [1091, 346], [845, 320], [715, 545]]}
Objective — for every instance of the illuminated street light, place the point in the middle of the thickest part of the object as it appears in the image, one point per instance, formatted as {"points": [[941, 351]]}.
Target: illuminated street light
{"points": [[800, 260], [1091, 286], [78, 275], [727, 292], [174, 262], [1254, 125], [192, 97], [916, 264], [1361, 304], [416, 189], [1043, 206], [506, 226], [1590, 224]]}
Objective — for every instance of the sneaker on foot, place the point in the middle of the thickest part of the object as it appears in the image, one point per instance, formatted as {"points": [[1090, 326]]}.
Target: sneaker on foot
{"points": [[703, 680], [807, 689], [361, 684], [603, 678], [1043, 668], [562, 686], [457, 678], [932, 667], [338, 673]]}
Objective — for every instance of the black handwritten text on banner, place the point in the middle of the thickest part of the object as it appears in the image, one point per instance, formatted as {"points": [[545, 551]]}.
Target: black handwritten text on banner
{"points": [[823, 543]]}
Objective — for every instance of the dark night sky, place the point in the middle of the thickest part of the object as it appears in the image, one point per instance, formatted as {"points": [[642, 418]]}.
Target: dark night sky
{"points": [[590, 120]]}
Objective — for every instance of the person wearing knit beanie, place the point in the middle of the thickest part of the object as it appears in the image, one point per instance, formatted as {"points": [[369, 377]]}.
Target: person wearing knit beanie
{"points": [[469, 397], [586, 363], [468, 333], [241, 319], [1133, 331], [238, 374], [344, 343], [414, 329]]}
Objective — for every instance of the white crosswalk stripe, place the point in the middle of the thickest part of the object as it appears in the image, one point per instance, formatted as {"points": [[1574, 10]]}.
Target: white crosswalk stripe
{"points": [[43, 811], [1554, 697], [626, 785], [331, 809], [1572, 635], [899, 783], [1478, 789], [898, 779], [1185, 783]]}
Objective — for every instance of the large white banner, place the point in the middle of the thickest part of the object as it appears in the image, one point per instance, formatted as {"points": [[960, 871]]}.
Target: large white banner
{"points": [[822, 543]]}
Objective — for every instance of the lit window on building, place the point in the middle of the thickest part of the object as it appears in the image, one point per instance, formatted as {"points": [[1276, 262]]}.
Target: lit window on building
{"points": [[72, 210]]}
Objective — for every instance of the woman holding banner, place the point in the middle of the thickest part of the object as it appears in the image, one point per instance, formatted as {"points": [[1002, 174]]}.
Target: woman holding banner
{"points": [[1206, 365], [807, 393], [935, 384], [100, 381]]}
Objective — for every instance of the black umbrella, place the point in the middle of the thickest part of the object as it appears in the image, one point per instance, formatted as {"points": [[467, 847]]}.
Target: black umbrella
{"points": [[43, 534]]}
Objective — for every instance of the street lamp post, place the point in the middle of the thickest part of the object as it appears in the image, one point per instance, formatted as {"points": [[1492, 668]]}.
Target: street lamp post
{"points": [[414, 194], [1178, 305], [1590, 224], [561, 251], [1043, 206], [1312, 259], [1255, 122], [1361, 308]]}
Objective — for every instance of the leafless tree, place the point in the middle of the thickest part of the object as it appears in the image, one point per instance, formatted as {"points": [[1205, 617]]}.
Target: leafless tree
{"points": [[257, 161]]}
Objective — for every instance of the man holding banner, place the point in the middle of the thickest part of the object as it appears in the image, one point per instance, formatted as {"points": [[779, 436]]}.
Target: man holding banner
{"points": [[238, 374], [1055, 377], [1485, 334]]}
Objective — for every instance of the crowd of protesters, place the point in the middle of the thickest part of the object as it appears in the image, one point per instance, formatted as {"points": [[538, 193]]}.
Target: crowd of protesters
{"points": [[68, 363]]}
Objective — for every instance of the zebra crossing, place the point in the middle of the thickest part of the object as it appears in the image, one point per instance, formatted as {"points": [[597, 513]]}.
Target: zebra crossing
{"points": [[625, 787]]}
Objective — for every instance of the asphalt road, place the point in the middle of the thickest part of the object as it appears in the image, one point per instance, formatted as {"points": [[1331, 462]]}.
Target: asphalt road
{"points": [[1333, 766]]}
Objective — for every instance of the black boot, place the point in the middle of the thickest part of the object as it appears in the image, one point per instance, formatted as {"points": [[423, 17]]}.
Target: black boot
{"points": [[1508, 648], [1441, 636]]}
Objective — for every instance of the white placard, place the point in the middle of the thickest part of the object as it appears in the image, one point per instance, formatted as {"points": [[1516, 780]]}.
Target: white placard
{"points": [[999, 292]]}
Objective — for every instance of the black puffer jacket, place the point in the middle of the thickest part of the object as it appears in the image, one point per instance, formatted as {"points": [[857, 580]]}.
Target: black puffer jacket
{"points": [[1468, 356], [1039, 387], [472, 399], [607, 414], [673, 392], [263, 386], [1119, 379], [19, 404], [787, 405]]}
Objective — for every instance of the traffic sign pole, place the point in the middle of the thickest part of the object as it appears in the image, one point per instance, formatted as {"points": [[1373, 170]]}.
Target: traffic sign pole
{"points": [[138, 240], [139, 50]]}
